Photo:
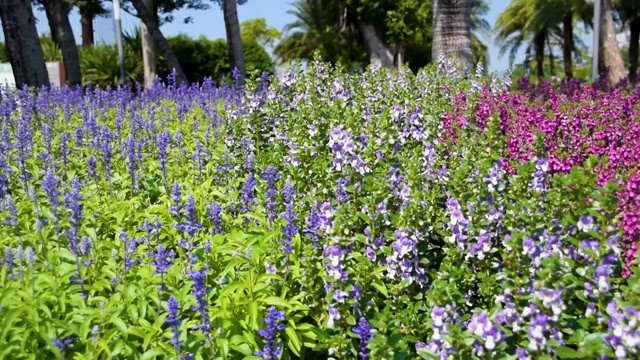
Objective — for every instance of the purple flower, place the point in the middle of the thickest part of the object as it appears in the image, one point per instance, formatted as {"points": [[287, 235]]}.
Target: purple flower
{"points": [[585, 223], [173, 307], [334, 315], [163, 141], [62, 343], [536, 333], [247, 193], [333, 255], [271, 176], [481, 326], [201, 292], [602, 278], [341, 192], [363, 330], [274, 321], [290, 229], [215, 210], [130, 247], [162, 259], [313, 225]]}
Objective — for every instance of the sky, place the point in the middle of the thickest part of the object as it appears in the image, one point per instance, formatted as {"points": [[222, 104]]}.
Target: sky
{"points": [[210, 23]]}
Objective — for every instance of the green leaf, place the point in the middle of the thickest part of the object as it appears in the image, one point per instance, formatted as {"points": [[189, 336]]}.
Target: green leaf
{"points": [[564, 352], [275, 301], [379, 285], [152, 353], [427, 354], [294, 340]]}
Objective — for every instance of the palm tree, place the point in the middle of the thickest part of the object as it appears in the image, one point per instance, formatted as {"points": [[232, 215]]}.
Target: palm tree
{"points": [[313, 30], [148, 47], [160, 41], [234, 38], [629, 12], [611, 51], [58, 16], [89, 10], [513, 31], [452, 30], [22, 42], [479, 27]]}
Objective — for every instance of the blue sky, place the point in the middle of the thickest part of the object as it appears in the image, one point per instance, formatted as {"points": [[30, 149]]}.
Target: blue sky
{"points": [[210, 24]]}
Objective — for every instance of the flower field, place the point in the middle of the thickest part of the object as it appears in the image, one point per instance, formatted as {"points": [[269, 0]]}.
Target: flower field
{"points": [[321, 215]]}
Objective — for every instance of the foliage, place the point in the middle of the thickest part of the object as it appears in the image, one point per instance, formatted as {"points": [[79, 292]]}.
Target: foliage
{"points": [[51, 51], [100, 65], [321, 215], [202, 58], [257, 30], [318, 28]]}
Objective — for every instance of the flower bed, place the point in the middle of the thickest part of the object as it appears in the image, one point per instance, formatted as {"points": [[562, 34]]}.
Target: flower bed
{"points": [[321, 216]]}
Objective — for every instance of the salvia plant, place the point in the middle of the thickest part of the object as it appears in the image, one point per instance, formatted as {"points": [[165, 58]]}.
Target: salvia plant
{"points": [[321, 215]]}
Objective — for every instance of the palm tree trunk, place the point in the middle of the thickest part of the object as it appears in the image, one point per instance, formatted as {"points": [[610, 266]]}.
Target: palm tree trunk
{"points": [[148, 49], [58, 18], [86, 20], [161, 42], [234, 40], [452, 30], [376, 47], [23, 44], [552, 69], [612, 57], [539, 42], [634, 40], [567, 44]]}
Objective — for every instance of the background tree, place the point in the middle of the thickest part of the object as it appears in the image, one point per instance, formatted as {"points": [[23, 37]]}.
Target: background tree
{"points": [[234, 39], [57, 13], [611, 51], [258, 30], [452, 29], [514, 29], [148, 47], [22, 43], [89, 10], [629, 14], [204, 58], [149, 19]]}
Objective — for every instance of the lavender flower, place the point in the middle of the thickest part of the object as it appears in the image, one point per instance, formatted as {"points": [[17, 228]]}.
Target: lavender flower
{"points": [[162, 259], [363, 330], [215, 211], [290, 229], [341, 192], [163, 141], [271, 176], [62, 343], [247, 193], [201, 292], [173, 307], [274, 321]]}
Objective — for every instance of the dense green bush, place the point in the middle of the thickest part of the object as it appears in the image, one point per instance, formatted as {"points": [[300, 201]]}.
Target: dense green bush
{"points": [[201, 58]]}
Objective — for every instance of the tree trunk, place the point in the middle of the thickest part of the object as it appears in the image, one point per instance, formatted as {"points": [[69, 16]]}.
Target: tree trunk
{"points": [[567, 44], [234, 40], [86, 20], [399, 57], [58, 18], [612, 57], [148, 49], [452, 30], [539, 42], [376, 47], [634, 40], [161, 42], [23, 44], [552, 69]]}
